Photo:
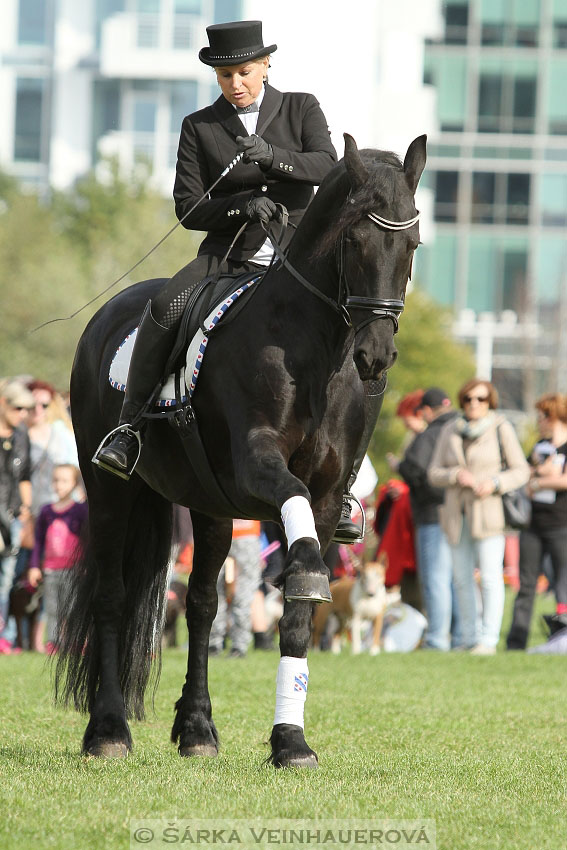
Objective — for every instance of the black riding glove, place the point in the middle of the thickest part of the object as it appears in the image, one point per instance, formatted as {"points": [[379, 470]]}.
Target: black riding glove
{"points": [[255, 149], [262, 209]]}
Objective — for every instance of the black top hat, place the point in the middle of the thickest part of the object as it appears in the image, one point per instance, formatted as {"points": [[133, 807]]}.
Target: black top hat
{"points": [[234, 43]]}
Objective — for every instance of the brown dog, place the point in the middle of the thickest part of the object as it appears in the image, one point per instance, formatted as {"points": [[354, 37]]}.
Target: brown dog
{"points": [[25, 605], [355, 600]]}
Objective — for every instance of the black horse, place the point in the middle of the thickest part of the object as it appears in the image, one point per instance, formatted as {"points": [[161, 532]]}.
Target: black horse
{"points": [[280, 404]]}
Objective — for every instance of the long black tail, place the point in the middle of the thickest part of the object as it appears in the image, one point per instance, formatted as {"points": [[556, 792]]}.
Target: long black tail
{"points": [[144, 571]]}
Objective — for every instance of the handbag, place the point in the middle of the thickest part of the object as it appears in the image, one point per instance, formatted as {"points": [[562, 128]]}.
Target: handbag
{"points": [[517, 504]]}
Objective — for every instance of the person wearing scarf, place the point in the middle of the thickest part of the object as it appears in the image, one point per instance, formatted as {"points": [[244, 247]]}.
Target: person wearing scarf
{"points": [[468, 464]]}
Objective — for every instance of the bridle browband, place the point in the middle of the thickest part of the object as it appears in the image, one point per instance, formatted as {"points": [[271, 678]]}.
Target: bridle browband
{"points": [[381, 308], [393, 225]]}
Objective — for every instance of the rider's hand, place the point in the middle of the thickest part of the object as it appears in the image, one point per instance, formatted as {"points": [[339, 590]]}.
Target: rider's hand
{"points": [[262, 209], [255, 149]]}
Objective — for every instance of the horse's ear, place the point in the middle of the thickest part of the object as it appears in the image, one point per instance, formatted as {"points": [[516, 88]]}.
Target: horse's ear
{"points": [[414, 163], [354, 165]]}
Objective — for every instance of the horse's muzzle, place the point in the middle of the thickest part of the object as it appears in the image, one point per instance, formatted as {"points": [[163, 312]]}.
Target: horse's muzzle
{"points": [[371, 368]]}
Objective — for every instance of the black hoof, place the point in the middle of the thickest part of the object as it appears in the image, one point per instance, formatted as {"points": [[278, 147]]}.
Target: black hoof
{"points": [[289, 748], [195, 735], [199, 750], [309, 587], [107, 737], [108, 750]]}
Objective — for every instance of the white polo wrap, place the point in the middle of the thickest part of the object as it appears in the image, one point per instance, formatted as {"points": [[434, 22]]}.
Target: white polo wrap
{"points": [[291, 690], [298, 520]]}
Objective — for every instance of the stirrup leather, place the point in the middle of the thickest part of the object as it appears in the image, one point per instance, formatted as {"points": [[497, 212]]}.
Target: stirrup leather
{"points": [[125, 429]]}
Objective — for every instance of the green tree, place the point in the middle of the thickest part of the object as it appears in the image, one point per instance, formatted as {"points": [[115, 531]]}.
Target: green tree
{"points": [[58, 255]]}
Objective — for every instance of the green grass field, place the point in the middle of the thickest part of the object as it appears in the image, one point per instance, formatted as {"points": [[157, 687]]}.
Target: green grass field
{"points": [[476, 744]]}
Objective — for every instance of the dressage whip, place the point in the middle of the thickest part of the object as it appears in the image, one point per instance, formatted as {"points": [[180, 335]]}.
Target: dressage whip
{"points": [[228, 168]]}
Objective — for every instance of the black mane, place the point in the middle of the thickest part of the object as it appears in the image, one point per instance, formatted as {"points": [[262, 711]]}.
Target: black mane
{"points": [[377, 192]]}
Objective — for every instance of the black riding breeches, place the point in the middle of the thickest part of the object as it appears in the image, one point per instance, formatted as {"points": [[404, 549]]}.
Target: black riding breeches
{"points": [[169, 304]]}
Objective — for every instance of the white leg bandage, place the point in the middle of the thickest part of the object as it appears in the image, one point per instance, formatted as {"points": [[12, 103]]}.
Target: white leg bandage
{"points": [[291, 690], [298, 521]]}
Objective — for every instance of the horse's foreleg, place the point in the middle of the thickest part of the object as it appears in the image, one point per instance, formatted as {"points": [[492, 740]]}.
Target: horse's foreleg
{"points": [[289, 748], [193, 728]]}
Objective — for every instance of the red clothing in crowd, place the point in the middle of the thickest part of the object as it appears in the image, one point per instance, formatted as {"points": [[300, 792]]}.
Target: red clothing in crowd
{"points": [[394, 527]]}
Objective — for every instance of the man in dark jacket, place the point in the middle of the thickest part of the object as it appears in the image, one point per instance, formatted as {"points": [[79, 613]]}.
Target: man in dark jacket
{"points": [[433, 552], [15, 488]]}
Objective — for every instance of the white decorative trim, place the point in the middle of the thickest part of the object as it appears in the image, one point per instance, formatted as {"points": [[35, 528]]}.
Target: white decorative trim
{"points": [[393, 225]]}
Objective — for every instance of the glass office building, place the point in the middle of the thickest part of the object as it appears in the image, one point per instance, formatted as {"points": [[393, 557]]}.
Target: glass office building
{"points": [[498, 169]]}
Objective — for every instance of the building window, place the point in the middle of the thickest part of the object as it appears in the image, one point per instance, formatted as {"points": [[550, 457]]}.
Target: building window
{"points": [[32, 22], [509, 22], [560, 23], [106, 110], [489, 103], [557, 99], [483, 193], [507, 97], [29, 104], [103, 10], [554, 200], [456, 22], [448, 73], [182, 102], [500, 198], [518, 198], [446, 195], [497, 274], [184, 24]]}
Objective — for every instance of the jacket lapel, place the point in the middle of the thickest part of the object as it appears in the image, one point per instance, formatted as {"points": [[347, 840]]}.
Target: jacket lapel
{"points": [[227, 116], [269, 108]]}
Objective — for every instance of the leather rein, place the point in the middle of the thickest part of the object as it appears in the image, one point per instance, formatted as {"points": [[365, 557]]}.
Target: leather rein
{"points": [[380, 308]]}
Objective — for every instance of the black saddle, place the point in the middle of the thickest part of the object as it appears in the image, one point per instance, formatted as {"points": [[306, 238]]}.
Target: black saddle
{"points": [[205, 296]]}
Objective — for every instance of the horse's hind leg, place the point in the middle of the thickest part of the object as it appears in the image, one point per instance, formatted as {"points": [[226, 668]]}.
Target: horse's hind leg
{"points": [[107, 733], [109, 639], [193, 728]]}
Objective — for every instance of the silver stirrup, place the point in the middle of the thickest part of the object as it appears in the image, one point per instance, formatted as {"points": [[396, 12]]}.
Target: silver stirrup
{"points": [[125, 429], [352, 497]]}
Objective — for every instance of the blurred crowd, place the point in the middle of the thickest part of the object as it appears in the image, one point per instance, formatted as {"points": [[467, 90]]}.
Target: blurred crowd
{"points": [[441, 534]]}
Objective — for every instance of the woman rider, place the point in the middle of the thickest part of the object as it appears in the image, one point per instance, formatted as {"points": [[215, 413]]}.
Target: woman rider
{"points": [[286, 149]]}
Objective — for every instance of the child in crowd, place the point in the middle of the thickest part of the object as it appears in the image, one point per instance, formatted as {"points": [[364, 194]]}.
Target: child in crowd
{"points": [[57, 534]]}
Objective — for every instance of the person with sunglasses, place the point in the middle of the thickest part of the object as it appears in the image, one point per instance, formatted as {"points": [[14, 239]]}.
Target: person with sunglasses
{"points": [[52, 441], [478, 457], [15, 489]]}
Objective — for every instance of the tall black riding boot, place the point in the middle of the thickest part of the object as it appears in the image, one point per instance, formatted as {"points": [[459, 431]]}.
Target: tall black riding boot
{"points": [[347, 530], [119, 451]]}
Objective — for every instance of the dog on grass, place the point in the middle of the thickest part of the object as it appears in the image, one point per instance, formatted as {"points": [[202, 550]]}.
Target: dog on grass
{"points": [[355, 600], [25, 606]]}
